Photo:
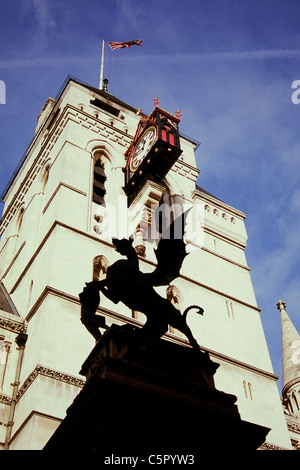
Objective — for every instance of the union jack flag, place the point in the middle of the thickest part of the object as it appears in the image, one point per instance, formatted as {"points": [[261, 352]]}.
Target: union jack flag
{"points": [[120, 45]]}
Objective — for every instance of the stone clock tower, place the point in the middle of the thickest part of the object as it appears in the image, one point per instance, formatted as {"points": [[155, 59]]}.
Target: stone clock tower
{"points": [[95, 168]]}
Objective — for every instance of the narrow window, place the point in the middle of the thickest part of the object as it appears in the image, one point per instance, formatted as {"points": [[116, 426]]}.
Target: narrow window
{"points": [[20, 217], [245, 388], [4, 350], [297, 399], [294, 401], [229, 307], [99, 190], [250, 390]]}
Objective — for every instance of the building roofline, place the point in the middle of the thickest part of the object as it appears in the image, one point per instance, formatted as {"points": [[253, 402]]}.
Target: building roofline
{"points": [[62, 88], [210, 197], [7, 304], [104, 94]]}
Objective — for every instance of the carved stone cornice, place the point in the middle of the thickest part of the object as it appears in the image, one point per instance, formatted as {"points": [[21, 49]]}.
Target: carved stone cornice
{"points": [[199, 193], [47, 372], [292, 426], [269, 446], [15, 326]]}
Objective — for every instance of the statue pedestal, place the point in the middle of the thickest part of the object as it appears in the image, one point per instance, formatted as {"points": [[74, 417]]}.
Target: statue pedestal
{"points": [[145, 397]]}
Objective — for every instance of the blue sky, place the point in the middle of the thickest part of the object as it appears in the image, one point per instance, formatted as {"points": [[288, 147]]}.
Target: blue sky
{"points": [[227, 64]]}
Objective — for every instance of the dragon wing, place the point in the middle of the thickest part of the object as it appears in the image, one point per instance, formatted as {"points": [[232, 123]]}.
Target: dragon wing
{"points": [[170, 253]]}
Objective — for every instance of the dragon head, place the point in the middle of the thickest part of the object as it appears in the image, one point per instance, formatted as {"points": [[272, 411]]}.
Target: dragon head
{"points": [[123, 246]]}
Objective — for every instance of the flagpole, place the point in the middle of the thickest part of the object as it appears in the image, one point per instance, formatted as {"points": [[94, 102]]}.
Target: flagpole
{"points": [[102, 65]]}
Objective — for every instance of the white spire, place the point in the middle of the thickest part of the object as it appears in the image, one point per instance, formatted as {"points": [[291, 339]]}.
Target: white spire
{"points": [[290, 356]]}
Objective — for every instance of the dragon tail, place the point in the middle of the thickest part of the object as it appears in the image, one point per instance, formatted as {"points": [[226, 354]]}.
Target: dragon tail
{"points": [[200, 310]]}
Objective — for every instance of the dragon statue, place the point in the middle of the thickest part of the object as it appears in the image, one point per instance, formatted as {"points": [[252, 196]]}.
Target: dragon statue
{"points": [[126, 283]]}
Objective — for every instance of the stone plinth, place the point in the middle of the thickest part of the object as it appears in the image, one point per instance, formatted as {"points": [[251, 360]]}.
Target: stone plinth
{"points": [[151, 397]]}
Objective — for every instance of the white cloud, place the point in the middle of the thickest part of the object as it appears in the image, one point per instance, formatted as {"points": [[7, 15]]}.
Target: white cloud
{"points": [[197, 57], [262, 54], [275, 268], [44, 62], [47, 21], [44, 17]]}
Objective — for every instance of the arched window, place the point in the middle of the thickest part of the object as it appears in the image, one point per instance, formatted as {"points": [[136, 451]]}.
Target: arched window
{"points": [[245, 388], [229, 307], [4, 350], [99, 190], [248, 390], [294, 403], [20, 216]]}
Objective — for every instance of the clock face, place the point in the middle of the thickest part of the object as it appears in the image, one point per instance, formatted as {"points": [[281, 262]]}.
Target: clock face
{"points": [[142, 148]]}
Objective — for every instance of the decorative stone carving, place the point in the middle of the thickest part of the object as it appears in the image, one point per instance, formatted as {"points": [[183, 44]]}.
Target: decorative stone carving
{"points": [[139, 244], [100, 265], [173, 294], [98, 228], [5, 399], [47, 372], [269, 446], [14, 326], [281, 305]]}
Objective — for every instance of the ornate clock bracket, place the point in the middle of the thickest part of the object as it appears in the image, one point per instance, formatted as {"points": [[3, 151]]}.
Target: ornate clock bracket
{"points": [[153, 151], [142, 209]]}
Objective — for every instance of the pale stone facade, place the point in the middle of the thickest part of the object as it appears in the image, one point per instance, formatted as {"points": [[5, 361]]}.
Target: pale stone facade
{"points": [[290, 375], [54, 238]]}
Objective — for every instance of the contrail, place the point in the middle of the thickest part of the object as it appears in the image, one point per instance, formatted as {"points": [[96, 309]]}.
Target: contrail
{"points": [[264, 54], [44, 62]]}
